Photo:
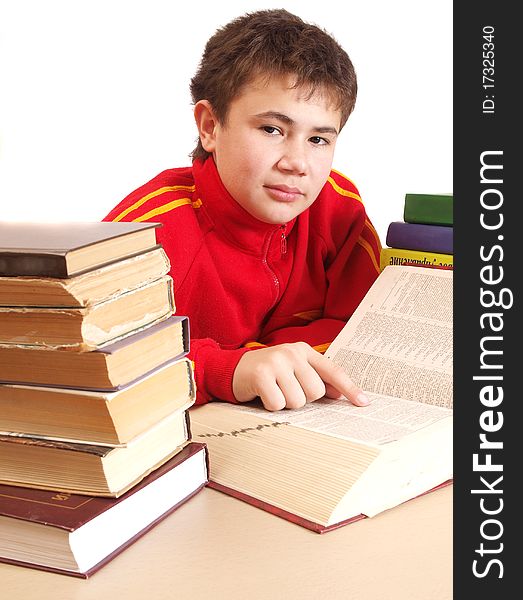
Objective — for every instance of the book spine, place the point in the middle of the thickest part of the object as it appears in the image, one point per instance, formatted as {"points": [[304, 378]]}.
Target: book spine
{"points": [[42, 265], [186, 332], [429, 209], [417, 236], [402, 256]]}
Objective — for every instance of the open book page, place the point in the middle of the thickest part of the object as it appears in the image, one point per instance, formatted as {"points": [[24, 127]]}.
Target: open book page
{"points": [[397, 347], [384, 420], [399, 340]]}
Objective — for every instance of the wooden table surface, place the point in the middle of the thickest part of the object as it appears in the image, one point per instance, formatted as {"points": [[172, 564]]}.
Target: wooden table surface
{"points": [[215, 547]]}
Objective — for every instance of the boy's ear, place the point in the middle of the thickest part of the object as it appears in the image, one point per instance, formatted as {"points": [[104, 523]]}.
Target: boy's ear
{"points": [[206, 122]]}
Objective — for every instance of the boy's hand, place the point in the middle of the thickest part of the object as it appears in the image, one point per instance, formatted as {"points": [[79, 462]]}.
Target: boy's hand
{"points": [[289, 375]]}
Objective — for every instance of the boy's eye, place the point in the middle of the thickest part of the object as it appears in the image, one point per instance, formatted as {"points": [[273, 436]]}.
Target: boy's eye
{"points": [[318, 140], [271, 130]]}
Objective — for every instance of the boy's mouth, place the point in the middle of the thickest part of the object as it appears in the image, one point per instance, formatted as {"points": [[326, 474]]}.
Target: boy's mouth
{"points": [[284, 193]]}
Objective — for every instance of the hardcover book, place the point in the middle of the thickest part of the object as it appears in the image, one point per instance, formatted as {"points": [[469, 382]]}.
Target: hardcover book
{"points": [[77, 467], [419, 236], [431, 209], [294, 518], [67, 249], [83, 329], [104, 417], [88, 288], [77, 535], [330, 462], [421, 258], [110, 367]]}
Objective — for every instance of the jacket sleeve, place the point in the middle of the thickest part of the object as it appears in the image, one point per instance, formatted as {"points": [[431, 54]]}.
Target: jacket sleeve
{"points": [[214, 369]]}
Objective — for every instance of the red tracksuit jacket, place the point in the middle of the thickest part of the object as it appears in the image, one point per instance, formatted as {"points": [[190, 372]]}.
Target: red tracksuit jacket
{"points": [[246, 284]]}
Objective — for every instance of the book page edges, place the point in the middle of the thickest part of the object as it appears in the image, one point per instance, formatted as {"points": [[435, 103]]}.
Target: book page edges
{"points": [[399, 471], [258, 435], [77, 290], [280, 512], [391, 479]]}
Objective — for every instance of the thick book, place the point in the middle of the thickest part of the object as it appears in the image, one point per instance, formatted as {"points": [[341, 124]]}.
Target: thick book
{"points": [[421, 258], [67, 249], [294, 518], [84, 329], [419, 236], [431, 209], [110, 367], [330, 462], [104, 417], [77, 467], [77, 535], [87, 288]]}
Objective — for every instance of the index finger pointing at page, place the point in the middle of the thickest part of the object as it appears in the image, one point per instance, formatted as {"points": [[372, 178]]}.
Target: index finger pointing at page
{"points": [[335, 376]]}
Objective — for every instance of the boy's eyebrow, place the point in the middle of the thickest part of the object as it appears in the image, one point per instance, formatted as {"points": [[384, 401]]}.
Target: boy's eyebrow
{"points": [[273, 114]]}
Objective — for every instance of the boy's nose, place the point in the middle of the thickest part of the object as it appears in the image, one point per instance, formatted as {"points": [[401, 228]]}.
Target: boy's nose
{"points": [[293, 160]]}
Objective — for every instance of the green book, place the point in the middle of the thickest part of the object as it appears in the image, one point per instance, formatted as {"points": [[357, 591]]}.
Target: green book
{"points": [[430, 209]]}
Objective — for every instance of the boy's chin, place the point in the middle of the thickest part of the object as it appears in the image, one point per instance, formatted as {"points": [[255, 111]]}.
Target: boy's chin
{"points": [[275, 220], [281, 216]]}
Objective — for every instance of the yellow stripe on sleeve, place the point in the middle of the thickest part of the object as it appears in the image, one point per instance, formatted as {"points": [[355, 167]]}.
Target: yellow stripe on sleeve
{"points": [[322, 347], [343, 192], [366, 246], [158, 192], [309, 315], [254, 345], [344, 176], [160, 210], [374, 232]]}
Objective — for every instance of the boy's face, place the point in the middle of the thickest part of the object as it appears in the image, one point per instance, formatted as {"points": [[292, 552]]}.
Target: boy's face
{"points": [[274, 152]]}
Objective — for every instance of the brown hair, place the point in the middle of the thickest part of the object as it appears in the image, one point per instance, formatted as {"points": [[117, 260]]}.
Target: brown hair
{"points": [[271, 42]]}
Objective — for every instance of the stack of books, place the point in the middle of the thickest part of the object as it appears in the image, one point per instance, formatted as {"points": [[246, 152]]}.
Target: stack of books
{"points": [[425, 236], [95, 391]]}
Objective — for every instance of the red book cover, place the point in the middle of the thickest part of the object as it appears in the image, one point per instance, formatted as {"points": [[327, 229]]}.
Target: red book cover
{"points": [[293, 518], [156, 496]]}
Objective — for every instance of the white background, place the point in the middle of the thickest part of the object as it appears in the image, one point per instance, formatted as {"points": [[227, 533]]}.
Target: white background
{"points": [[94, 98]]}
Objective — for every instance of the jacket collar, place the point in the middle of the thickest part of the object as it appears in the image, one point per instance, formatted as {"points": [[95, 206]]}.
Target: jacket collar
{"points": [[228, 217]]}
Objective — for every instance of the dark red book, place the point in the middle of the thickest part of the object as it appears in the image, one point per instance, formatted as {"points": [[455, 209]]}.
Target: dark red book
{"points": [[77, 535], [296, 519]]}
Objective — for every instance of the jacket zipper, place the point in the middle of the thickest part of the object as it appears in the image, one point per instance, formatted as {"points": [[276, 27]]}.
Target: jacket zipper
{"points": [[283, 247], [283, 250], [283, 239]]}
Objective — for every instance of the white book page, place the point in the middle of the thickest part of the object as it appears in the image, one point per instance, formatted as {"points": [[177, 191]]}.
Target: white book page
{"points": [[399, 340], [384, 420]]}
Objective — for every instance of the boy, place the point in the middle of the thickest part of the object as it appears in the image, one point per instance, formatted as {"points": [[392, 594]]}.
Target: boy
{"points": [[271, 251]]}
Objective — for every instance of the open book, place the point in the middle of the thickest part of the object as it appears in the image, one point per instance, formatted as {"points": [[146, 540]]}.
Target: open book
{"points": [[330, 462]]}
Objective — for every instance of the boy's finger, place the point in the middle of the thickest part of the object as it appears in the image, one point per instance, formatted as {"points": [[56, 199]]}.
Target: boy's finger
{"points": [[332, 393], [292, 391], [336, 377], [310, 381], [271, 396]]}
